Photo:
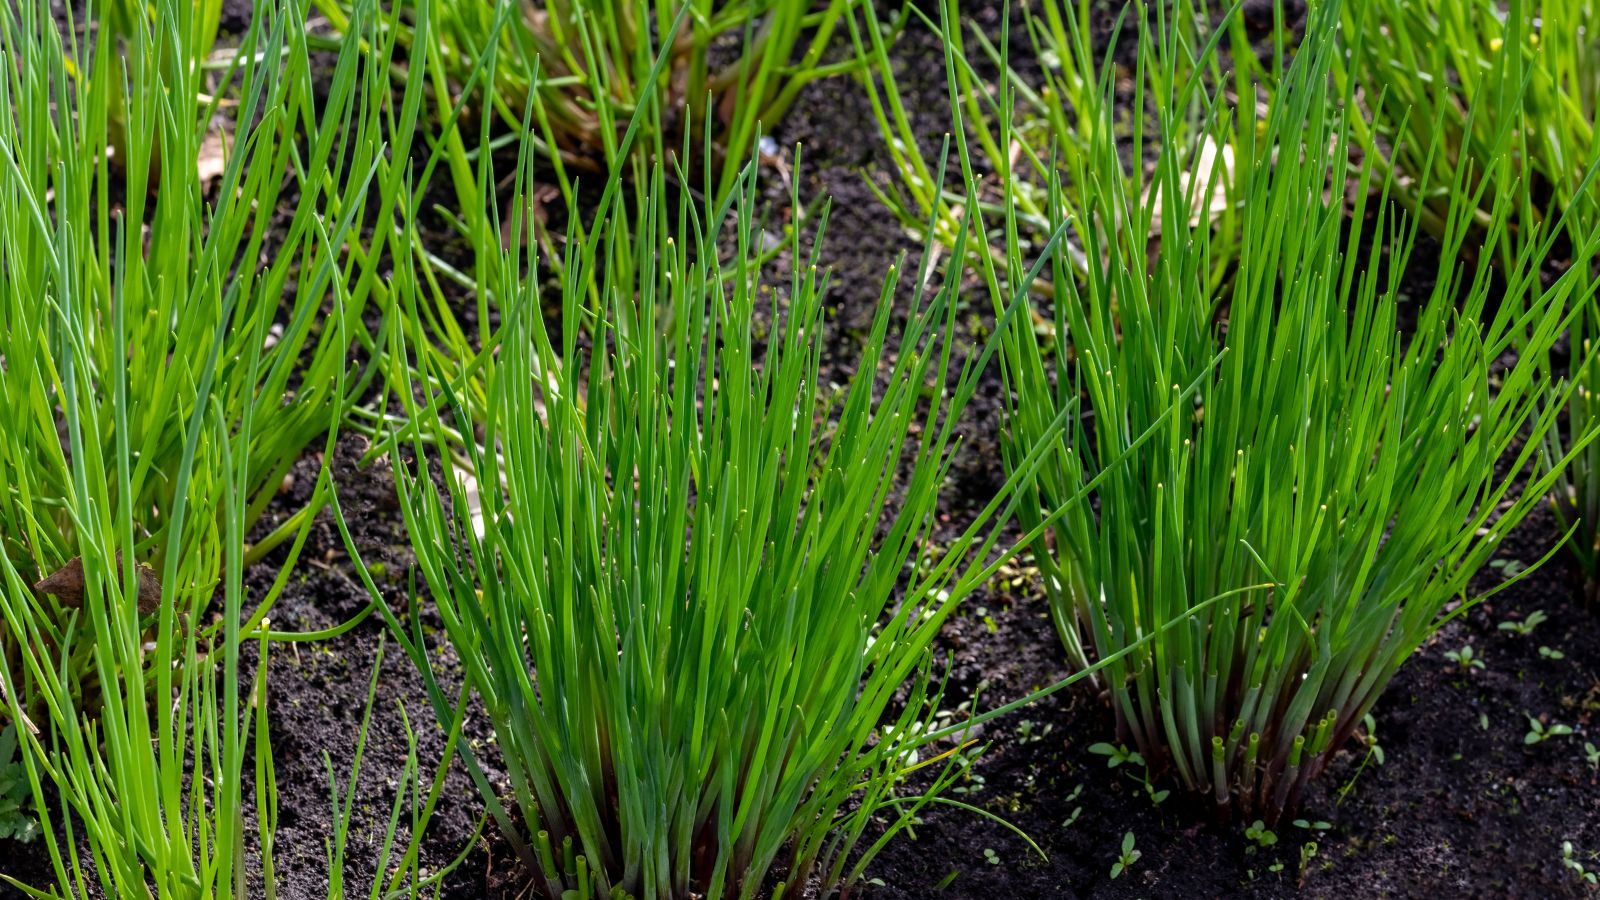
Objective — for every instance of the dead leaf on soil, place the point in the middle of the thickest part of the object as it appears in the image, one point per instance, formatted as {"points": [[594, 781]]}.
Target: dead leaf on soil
{"points": [[1210, 199], [67, 584], [212, 159]]}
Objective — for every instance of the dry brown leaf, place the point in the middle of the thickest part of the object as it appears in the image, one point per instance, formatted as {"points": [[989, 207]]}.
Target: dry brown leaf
{"points": [[67, 584]]}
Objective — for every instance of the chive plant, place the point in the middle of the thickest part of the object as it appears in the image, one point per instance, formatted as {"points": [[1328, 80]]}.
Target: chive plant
{"points": [[121, 22], [165, 356], [1511, 87], [145, 793], [143, 788], [249, 266], [1335, 482], [1575, 497], [1078, 92], [595, 69], [1485, 78], [685, 575]]}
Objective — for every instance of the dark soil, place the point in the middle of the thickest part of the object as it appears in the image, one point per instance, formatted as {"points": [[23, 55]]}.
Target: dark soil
{"points": [[1460, 805]]}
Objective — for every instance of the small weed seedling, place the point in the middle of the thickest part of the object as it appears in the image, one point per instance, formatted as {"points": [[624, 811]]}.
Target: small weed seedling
{"points": [[1156, 797], [1575, 866], [991, 857], [1076, 810], [1308, 852], [1260, 836], [1538, 732], [1526, 626], [1117, 755], [1548, 653], [1028, 732], [972, 783], [1127, 859], [1591, 755], [1465, 658], [1369, 736], [982, 612], [1509, 568]]}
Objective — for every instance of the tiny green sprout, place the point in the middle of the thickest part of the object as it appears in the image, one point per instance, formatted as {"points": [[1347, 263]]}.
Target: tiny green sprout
{"points": [[1318, 825], [991, 857], [1028, 732], [1261, 835], [945, 716], [1591, 755], [1483, 721], [1573, 865], [982, 612], [1465, 658], [1526, 626], [1538, 732], [1116, 755], [972, 782], [1370, 738], [947, 880], [1510, 568], [1128, 858], [1308, 851], [1076, 810], [1547, 653], [974, 785]]}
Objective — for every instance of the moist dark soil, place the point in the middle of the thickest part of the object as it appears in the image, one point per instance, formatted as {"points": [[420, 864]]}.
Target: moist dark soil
{"points": [[1460, 805], [1452, 802]]}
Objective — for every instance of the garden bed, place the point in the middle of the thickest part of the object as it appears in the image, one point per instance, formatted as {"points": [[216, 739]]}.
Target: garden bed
{"points": [[1460, 804]]}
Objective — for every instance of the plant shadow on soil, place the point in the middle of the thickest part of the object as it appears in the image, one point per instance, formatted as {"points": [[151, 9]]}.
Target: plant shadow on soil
{"points": [[1461, 806]]}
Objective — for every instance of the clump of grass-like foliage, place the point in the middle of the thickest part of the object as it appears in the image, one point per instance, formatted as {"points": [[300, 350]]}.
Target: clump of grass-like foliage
{"points": [[1513, 88], [197, 295], [1079, 98], [164, 358], [1509, 88], [595, 70], [123, 24], [673, 559], [1335, 482]]}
